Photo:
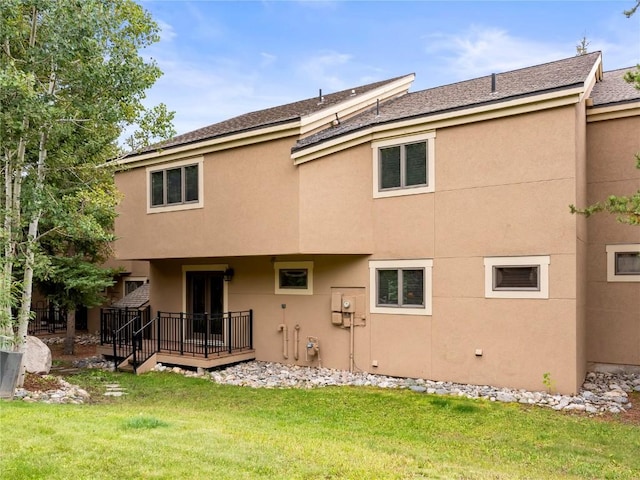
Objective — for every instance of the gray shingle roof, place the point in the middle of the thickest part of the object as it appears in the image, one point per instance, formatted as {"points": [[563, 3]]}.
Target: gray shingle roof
{"points": [[528, 81], [614, 89], [267, 117], [136, 299]]}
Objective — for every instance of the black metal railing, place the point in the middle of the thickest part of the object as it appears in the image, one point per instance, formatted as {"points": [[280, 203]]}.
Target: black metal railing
{"points": [[122, 339], [113, 319], [132, 334], [204, 334], [47, 319], [144, 345]]}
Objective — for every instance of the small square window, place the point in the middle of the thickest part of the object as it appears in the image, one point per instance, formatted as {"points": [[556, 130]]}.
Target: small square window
{"points": [[401, 286], [517, 277], [294, 278], [623, 262]]}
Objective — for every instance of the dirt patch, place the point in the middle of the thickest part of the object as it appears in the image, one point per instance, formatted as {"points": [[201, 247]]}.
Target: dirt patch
{"points": [[40, 383], [79, 351], [631, 416]]}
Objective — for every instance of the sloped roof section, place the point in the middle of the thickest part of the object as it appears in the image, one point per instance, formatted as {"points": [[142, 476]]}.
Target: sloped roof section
{"points": [[613, 89], [136, 299], [539, 79], [268, 117]]}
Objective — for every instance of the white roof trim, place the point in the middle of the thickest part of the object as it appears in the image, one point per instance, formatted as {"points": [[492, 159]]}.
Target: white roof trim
{"points": [[610, 112], [355, 103], [212, 145], [431, 122]]}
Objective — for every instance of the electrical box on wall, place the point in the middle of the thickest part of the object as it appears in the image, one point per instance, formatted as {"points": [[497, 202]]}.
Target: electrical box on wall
{"points": [[336, 302], [347, 307]]}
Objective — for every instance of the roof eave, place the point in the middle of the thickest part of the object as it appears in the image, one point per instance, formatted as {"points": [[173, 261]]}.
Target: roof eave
{"points": [[611, 111], [431, 121], [355, 104], [216, 143]]}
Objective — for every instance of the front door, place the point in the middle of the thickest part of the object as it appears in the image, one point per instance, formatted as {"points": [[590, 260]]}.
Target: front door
{"points": [[205, 301]]}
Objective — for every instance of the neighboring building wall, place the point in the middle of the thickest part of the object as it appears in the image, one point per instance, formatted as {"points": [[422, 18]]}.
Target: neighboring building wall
{"points": [[613, 308]]}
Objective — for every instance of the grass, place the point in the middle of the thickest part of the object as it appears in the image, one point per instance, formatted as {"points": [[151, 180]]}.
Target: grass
{"points": [[169, 427]]}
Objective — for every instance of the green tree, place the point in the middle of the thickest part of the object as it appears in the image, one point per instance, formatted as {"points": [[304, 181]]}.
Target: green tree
{"points": [[625, 207], [71, 80]]}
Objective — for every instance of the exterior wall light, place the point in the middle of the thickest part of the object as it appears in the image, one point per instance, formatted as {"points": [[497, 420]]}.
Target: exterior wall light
{"points": [[228, 274]]}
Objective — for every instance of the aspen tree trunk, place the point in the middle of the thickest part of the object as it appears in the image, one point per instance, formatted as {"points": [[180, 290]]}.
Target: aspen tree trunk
{"points": [[24, 313]]}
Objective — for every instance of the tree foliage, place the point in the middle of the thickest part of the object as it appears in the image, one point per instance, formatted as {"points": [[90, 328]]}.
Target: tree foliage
{"points": [[71, 80]]}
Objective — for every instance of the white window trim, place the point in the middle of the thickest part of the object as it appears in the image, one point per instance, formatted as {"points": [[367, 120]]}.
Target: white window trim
{"points": [[611, 262], [277, 266], [375, 265], [540, 261], [199, 161], [429, 137]]}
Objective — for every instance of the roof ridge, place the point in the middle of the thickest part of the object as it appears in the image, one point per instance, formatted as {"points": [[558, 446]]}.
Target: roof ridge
{"points": [[515, 70]]}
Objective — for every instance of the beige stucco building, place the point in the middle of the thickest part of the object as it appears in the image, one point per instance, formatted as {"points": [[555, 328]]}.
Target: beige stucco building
{"points": [[423, 234]]}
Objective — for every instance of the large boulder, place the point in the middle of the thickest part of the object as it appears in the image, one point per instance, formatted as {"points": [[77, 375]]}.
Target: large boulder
{"points": [[37, 358]]}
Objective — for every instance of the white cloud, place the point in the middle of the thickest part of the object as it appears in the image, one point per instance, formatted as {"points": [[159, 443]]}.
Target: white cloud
{"points": [[167, 32], [324, 68], [480, 51], [267, 59]]}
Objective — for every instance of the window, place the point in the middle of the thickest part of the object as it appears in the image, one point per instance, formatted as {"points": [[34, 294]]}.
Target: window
{"points": [[131, 284], [294, 278], [175, 187], [517, 277], [403, 166], [623, 262], [401, 286]]}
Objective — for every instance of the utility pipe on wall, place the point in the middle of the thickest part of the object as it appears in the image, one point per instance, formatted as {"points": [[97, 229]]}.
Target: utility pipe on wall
{"points": [[285, 340], [296, 340], [351, 343]]}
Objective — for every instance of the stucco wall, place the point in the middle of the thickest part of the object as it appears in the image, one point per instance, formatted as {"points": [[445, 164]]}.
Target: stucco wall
{"points": [[502, 189], [613, 309], [250, 208]]}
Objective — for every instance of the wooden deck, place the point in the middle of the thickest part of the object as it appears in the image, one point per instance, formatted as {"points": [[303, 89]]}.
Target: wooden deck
{"points": [[192, 360]]}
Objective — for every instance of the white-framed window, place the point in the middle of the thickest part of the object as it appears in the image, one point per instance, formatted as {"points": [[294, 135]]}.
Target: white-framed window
{"points": [[293, 278], [175, 186], [517, 277], [623, 262], [400, 286], [404, 165]]}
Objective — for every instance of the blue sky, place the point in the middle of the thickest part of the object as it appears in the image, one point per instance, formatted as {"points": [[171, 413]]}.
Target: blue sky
{"points": [[225, 58]]}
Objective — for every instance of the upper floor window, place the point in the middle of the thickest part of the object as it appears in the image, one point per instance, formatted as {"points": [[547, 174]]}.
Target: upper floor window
{"points": [[404, 166], [177, 186], [401, 286], [623, 262]]}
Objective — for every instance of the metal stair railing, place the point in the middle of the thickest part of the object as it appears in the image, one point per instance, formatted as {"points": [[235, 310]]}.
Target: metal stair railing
{"points": [[144, 345], [122, 338]]}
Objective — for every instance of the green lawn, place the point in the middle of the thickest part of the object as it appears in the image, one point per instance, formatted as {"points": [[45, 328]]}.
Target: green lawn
{"points": [[173, 427]]}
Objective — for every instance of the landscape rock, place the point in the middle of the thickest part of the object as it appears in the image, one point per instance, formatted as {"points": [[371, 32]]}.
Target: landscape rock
{"points": [[37, 358]]}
